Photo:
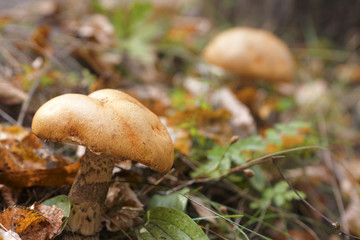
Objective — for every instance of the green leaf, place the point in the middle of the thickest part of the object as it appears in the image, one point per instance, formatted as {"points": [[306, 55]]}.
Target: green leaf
{"points": [[139, 14], [252, 143], [46, 80], [273, 136], [174, 200], [291, 128], [258, 181], [138, 49], [118, 21], [169, 223], [216, 153], [62, 201]]}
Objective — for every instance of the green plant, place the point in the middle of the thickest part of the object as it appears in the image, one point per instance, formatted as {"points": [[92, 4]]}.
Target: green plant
{"points": [[220, 159], [135, 28], [280, 195]]}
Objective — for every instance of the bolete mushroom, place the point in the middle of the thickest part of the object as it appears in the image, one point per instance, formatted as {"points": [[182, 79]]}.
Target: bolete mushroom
{"points": [[110, 124], [251, 53]]}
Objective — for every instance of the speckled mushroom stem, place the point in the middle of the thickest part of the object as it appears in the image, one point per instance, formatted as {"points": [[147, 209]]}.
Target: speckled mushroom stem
{"points": [[88, 194]]}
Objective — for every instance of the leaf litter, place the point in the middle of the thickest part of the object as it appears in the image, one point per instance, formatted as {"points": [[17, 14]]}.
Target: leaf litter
{"points": [[203, 113]]}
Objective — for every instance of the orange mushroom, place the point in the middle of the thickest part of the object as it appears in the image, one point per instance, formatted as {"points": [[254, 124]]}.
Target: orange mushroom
{"points": [[251, 53], [110, 124]]}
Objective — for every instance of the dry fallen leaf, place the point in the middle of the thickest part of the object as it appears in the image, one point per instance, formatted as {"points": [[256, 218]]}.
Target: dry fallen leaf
{"points": [[41, 177], [8, 161], [9, 94], [32, 141], [29, 158], [16, 156], [186, 28], [28, 223], [202, 211], [54, 215], [122, 207], [247, 95], [213, 124], [182, 140], [13, 133], [22, 165], [40, 39]]}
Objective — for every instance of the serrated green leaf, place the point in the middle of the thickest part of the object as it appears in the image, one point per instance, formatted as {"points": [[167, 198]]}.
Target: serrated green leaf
{"points": [[251, 143], [258, 181], [216, 153], [273, 136], [291, 128], [62, 201], [238, 158], [169, 223], [174, 200]]}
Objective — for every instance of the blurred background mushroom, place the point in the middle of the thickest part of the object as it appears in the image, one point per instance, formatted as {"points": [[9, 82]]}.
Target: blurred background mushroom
{"points": [[251, 53]]}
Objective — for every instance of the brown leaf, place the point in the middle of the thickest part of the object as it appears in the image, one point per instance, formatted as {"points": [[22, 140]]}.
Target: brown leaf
{"points": [[41, 177], [186, 28], [32, 141], [54, 215], [247, 95], [122, 207], [28, 223], [9, 94], [40, 38], [12, 132], [213, 124], [17, 156], [182, 140], [9, 162], [30, 159]]}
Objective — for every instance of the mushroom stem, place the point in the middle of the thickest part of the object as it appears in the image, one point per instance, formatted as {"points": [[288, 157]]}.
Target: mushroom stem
{"points": [[88, 194]]}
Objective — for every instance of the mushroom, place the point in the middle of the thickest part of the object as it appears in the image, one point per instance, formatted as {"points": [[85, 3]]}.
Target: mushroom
{"points": [[111, 125], [251, 53]]}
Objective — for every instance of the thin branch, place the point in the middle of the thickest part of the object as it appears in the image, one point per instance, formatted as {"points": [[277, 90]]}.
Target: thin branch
{"points": [[331, 165], [7, 117], [336, 225], [249, 164], [269, 157]]}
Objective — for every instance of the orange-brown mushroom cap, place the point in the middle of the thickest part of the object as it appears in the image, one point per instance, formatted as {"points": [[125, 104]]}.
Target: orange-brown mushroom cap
{"points": [[253, 53], [109, 122]]}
